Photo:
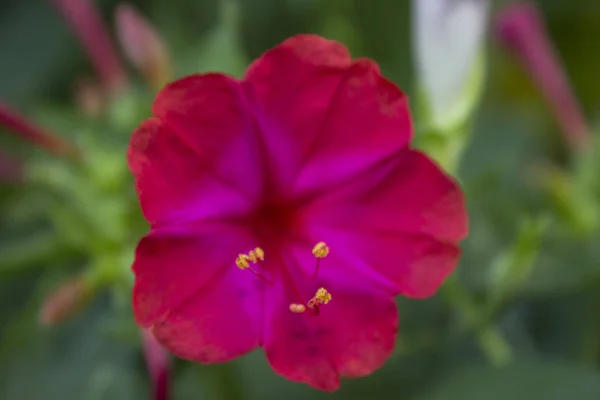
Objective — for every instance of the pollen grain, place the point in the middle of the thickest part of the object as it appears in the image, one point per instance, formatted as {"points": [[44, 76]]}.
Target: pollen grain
{"points": [[257, 255], [242, 261], [320, 250], [297, 308], [321, 297]]}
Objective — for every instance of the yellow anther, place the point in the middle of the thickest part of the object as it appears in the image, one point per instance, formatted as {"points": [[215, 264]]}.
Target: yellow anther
{"points": [[252, 257], [259, 253], [320, 250], [297, 308], [256, 255], [242, 261], [323, 295]]}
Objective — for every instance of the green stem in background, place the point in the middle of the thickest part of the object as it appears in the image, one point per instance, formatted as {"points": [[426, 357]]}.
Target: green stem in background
{"points": [[37, 250], [491, 342], [446, 148], [497, 350], [590, 341], [514, 266], [226, 375], [335, 23]]}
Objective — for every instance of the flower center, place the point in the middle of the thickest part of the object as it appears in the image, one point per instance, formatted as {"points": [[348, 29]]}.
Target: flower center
{"points": [[257, 256], [274, 218]]}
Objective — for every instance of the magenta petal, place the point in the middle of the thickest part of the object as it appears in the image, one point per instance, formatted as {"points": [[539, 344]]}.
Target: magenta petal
{"points": [[353, 335], [199, 158], [291, 87], [174, 263], [364, 323], [217, 324], [323, 117], [367, 122], [407, 194], [174, 184], [402, 220], [400, 263], [295, 351]]}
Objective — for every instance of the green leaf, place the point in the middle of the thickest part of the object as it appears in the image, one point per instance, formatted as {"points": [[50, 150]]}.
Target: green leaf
{"points": [[526, 380]]}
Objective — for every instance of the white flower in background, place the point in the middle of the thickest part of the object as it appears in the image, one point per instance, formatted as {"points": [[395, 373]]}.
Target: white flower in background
{"points": [[447, 38]]}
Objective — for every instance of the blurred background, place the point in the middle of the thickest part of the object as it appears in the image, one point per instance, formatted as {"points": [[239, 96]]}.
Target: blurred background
{"points": [[505, 96]]}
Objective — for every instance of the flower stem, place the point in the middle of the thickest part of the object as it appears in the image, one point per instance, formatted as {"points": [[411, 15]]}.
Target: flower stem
{"points": [[32, 251], [158, 364], [226, 374], [18, 124], [494, 346], [473, 317], [590, 340]]}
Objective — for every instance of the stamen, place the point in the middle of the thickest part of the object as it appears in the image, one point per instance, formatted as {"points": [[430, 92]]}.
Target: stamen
{"points": [[321, 250], [261, 276], [321, 297], [297, 308], [256, 255], [243, 262]]}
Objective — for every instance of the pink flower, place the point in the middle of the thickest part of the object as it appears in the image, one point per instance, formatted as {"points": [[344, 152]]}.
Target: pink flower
{"points": [[308, 147]]}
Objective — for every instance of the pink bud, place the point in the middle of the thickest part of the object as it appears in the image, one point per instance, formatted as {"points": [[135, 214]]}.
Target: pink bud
{"points": [[65, 302], [93, 35], [143, 46], [89, 97], [18, 124], [521, 28]]}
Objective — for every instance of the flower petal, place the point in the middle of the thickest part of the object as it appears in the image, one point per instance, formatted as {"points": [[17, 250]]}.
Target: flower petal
{"points": [[399, 223], [199, 158], [172, 264], [218, 324], [353, 335], [368, 121], [316, 109], [323, 117], [290, 88], [400, 263]]}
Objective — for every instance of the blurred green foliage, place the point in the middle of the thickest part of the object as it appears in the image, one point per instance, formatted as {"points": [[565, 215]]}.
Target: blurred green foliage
{"points": [[519, 319]]}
